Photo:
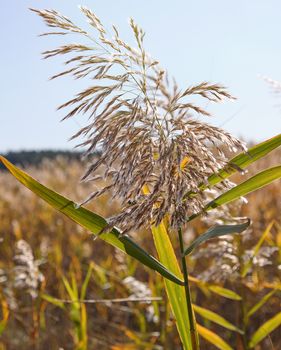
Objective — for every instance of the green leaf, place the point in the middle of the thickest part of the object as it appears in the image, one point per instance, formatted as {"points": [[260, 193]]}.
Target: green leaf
{"points": [[265, 329], [71, 292], [86, 282], [213, 338], [83, 329], [243, 160], [91, 221], [263, 300], [256, 249], [216, 232], [53, 300], [176, 293], [214, 317], [74, 285], [257, 181], [224, 292]]}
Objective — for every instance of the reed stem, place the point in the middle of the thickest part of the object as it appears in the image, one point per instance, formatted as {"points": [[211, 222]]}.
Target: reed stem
{"points": [[192, 329]]}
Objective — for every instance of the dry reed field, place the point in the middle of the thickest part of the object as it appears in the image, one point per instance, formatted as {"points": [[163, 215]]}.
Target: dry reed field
{"points": [[165, 235], [45, 259]]}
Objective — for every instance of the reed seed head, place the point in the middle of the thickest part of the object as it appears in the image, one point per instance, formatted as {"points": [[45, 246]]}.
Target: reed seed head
{"points": [[153, 147]]}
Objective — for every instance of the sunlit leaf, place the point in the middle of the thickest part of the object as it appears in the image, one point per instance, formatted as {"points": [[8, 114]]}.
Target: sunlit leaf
{"points": [[257, 181], [213, 338], [176, 293], [243, 160], [53, 300], [224, 292], [258, 305], [83, 328], [214, 317], [265, 329], [86, 282], [74, 285], [91, 221], [73, 294]]}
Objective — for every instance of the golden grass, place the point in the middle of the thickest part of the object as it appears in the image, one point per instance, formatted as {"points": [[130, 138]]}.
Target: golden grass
{"points": [[66, 252]]}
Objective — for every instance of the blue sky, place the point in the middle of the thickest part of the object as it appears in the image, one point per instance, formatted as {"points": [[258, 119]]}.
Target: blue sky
{"points": [[218, 41]]}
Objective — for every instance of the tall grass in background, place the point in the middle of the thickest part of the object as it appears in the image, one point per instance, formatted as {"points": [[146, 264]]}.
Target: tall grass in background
{"points": [[67, 252], [166, 167]]}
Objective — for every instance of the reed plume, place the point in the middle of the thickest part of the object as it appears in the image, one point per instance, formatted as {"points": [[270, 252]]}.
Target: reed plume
{"points": [[154, 147]]}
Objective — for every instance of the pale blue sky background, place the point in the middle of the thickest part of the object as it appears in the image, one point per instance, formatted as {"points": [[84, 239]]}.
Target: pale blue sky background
{"points": [[230, 42]]}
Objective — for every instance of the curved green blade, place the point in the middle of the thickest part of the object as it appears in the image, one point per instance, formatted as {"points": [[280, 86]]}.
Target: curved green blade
{"points": [[216, 232], [261, 302], [216, 318], [224, 292], [265, 329], [91, 221], [257, 181], [243, 160], [240, 162]]}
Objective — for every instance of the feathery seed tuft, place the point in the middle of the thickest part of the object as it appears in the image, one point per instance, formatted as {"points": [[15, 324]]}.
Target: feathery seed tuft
{"points": [[153, 148]]}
